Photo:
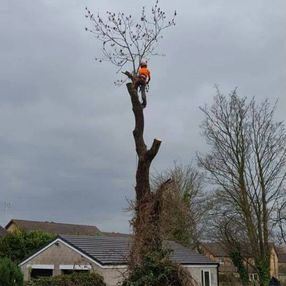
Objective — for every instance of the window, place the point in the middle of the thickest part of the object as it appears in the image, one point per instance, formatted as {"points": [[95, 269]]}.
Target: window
{"points": [[253, 277], [37, 273], [206, 278], [70, 271], [71, 268]]}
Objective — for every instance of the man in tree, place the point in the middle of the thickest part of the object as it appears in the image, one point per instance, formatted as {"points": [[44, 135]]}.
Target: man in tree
{"points": [[125, 41], [144, 77]]}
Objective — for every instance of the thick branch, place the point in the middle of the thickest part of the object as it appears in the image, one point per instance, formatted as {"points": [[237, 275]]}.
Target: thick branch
{"points": [[129, 75], [145, 156], [139, 121], [152, 152]]}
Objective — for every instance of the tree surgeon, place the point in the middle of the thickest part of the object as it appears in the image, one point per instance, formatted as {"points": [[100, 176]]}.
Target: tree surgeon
{"points": [[142, 80]]}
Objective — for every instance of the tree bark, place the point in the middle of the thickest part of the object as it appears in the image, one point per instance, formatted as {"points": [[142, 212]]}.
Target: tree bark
{"points": [[145, 156], [144, 214]]}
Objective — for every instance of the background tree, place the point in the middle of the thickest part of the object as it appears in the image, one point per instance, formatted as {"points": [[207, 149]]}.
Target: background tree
{"points": [[21, 244], [232, 237], [280, 224], [246, 162], [184, 204]]}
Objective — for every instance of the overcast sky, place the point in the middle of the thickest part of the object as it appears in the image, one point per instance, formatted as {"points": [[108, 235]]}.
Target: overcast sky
{"points": [[66, 147]]}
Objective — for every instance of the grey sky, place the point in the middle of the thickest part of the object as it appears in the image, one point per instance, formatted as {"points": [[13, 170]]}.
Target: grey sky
{"points": [[66, 146]]}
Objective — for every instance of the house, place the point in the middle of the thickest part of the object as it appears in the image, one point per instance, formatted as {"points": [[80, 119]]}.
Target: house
{"points": [[51, 227], [57, 228], [107, 255], [216, 252], [3, 231], [281, 251]]}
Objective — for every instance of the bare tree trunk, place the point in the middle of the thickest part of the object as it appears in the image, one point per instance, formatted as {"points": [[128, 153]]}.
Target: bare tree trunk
{"points": [[145, 156], [145, 238], [123, 43]]}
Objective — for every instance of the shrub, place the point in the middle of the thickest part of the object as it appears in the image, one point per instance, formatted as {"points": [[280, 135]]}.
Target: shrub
{"points": [[158, 270], [74, 279], [20, 244], [10, 274]]}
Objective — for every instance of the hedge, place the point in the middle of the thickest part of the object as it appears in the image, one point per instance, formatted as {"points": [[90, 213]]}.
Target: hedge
{"points": [[158, 270], [74, 279], [10, 274]]}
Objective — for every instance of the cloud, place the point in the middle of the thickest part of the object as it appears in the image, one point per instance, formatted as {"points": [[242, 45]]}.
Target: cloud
{"points": [[67, 152]]}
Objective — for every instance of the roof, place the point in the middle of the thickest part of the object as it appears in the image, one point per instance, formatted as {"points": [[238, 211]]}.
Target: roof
{"points": [[2, 231], [114, 250], [116, 234], [54, 227], [228, 268], [215, 248]]}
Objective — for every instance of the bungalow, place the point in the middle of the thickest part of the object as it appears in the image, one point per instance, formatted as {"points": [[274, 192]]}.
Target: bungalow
{"points": [[107, 255]]}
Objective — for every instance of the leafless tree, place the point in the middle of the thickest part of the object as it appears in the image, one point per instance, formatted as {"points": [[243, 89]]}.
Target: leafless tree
{"points": [[125, 42], [247, 163], [229, 231], [279, 224]]}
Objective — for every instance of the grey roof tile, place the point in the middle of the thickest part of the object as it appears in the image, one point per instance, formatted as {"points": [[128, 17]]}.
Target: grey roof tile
{"points": [[114, 250]]}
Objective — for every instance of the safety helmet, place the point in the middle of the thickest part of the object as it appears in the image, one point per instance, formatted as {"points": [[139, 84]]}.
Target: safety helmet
{"points": [[143, 63]]}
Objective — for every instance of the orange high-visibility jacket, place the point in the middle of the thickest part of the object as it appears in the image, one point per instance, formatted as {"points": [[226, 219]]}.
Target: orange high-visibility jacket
{"points": [[145, 72]]}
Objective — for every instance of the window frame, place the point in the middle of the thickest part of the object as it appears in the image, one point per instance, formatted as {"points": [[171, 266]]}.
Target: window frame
{"points": [[37, 273], [204, 277]]}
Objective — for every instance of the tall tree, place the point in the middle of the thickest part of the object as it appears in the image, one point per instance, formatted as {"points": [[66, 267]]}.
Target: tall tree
{"points": [[125, 42], [246, 162]]}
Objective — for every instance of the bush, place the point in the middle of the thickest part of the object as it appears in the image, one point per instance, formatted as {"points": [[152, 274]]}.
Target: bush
{"points": [[74, 279], [158, 270], [21, 244], [10, 274]]}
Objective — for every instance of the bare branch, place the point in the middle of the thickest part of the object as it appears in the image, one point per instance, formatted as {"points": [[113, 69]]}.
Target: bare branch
{"points": [[125, 40], [247, 163]]}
